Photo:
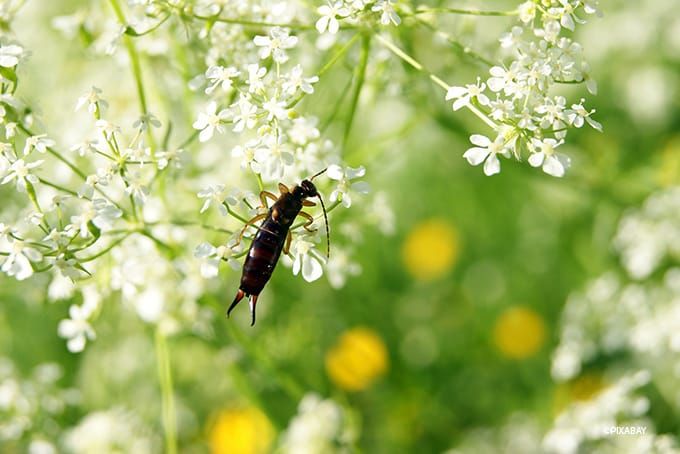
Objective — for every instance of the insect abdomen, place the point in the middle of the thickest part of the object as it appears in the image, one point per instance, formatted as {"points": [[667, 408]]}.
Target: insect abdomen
{"points": [[262, 257]]}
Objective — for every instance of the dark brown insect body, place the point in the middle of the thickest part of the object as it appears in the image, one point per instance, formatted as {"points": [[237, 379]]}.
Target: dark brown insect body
{"points": [[273, 237]]}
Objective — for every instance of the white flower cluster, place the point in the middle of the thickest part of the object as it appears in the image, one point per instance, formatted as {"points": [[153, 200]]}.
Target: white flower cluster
{"points": [[319, 426], [113, 430], [351, 11], [614, 314], [29, 406], [278, 144], [584, 426], [517, 99]]}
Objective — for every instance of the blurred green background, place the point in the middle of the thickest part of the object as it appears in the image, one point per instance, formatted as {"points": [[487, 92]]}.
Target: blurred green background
{"points": [[451, 324]]}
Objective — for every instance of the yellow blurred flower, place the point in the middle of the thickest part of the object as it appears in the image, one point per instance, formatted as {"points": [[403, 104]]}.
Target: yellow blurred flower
{"points": [[581, 388], [357, 359], [431, 249], [240, 431], [669, 168], [519, 332]]}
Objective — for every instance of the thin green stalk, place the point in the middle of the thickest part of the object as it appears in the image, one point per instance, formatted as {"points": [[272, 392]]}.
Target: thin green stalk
{"points": [[467, 12], [417, 65], [136, 71], [167, 398], [360, 78], [250, 23], [103, 251], [58, 187]]}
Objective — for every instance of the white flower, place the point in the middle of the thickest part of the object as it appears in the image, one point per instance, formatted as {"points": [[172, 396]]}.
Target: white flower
{"points": [[21, 171], [40, 143], [275, 44], [246, 115], [146, 120], [275, 109], [10, 55], [85, 147], [295, 81], [107, 128], [388, 14], [247, 155], [274, 155], [527, 11], [213, 194], [77, 328], [306, 259], [328, 20], [578, 114], [463, 95], [101, 212], [220, 76], [135, 188], [339, 267], [487, 151], [255, 75], [18, 262], [209, 121], [95, 103], [343, 177], [553, 163], [552, 111], [212, 256]]}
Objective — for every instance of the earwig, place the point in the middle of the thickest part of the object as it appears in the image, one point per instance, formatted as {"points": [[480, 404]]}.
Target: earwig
{"points": [[274, 236]]}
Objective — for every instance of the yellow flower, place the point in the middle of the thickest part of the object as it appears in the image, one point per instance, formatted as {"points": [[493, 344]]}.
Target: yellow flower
{"points": [[240, 431], [357, 359], [669, 168], [431, 249], [519, 332]]}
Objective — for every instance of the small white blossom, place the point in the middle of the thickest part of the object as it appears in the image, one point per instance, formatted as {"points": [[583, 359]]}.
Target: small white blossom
{"points": [[101, 212], [487, 151], [209, 121], [107, 128], [18, 262], [213, 194], [145, 121], [275, 44], [463, 95], [388, 14], [578, 114], [77, 328], [329, 14], [274, 155], [306, 259], [220, 76], [255, 81], [39, 143], [544, 155], [10, 55], [212, 256], [245, 117], [344, 177], [95, 103], [295, 81], [246, 153], [21, 172]]}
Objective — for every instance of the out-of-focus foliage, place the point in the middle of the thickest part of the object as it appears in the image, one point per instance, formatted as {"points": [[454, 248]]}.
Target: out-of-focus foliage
{"points": [[518, 313]]}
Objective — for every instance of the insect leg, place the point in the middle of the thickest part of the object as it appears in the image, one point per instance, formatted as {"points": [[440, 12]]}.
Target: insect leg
{"points": [[310, 221], [283, 189], [239, 296], [259, 217], [252, 301], [263, 198], [286, 247]]}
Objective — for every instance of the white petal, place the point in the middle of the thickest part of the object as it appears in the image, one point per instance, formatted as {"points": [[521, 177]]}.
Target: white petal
{"points": [[553, 166], [361, 187], [76, 344], [476, 155], [460, 103], [335, 172], [492, 165], [480, 140], [455, 92], [322, 23], [311, 269], [204, 250], [536, 159]]}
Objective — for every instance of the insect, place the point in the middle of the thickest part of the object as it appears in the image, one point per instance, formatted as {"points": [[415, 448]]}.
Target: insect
{"points": [[274, 236]]}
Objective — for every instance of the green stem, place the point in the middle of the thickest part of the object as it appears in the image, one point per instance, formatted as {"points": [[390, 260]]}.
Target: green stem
{"points": [[58, 187], [136, 71], [418, 66], [360, 77], [468, 12], [103, 251], [167, 398], [250, 23]]}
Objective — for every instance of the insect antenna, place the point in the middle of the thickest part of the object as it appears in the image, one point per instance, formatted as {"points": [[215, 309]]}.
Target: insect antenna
{"points": [[325, 218], [317, 174]]}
